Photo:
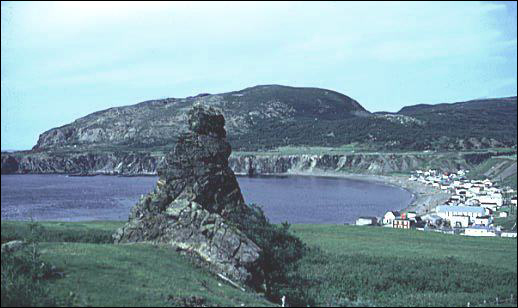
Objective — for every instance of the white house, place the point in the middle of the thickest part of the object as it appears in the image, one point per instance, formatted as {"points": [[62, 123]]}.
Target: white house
{"points": [[432, 219], [459, 221], [487, 183], [389, 217], [366, 221], [503, 214], [479, 231], [446, 211]]}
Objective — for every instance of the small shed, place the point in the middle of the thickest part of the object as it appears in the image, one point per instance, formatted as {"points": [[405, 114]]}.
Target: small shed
{"points": [[366, 221]]}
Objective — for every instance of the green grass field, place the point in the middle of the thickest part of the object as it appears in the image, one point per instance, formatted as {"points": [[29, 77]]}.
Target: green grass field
{"points": [[101, 274], [389, 267], [348, 266]]}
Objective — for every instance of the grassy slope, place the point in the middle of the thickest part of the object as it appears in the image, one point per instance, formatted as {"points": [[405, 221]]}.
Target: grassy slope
{"points": [[387, 242], [145, 275], [364, 266], [137, 275], [496, 168], [101, 274]]}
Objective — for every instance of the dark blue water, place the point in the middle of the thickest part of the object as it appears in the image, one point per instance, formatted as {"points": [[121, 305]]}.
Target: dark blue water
{"points": [[296, 199]]}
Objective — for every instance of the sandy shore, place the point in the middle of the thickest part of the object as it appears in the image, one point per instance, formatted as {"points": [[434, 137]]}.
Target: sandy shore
{"points": [[425, 198]]}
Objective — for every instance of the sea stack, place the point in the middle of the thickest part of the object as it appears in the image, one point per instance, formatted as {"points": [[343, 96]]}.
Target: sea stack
{"points": [[196, 202]]}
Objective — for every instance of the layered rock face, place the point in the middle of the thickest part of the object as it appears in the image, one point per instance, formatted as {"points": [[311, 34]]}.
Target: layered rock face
{"points": [[195, 201]]}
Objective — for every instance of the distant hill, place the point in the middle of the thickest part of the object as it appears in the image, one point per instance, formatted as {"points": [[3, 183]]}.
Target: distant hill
{"points": [[472, 124], [247, 112], [269, 116]]}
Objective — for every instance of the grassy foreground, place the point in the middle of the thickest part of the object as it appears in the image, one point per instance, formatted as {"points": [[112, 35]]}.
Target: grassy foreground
{"points": [[347, 266]]}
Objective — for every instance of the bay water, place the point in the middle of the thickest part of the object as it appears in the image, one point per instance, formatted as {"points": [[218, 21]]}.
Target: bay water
{"points": [[296, 199]]}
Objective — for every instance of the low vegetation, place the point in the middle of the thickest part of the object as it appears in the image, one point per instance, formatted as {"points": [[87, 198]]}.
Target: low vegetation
{"points": [[317, 265], [387, 267]]}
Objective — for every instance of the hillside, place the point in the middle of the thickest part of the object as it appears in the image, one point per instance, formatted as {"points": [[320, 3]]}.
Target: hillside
{"points": [[472, 124], [347, 266], [159, 122], [270, 116]]}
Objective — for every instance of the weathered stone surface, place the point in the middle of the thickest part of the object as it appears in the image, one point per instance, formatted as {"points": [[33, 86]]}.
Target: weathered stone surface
{"points": [[195, 195]]}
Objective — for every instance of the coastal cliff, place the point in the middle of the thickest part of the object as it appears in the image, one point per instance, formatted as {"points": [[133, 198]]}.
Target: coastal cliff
{"points": [[143, 163], [110, 163]]}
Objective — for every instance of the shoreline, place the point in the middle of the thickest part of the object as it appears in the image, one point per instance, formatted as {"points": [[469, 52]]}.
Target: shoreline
{"points": [[424, 198]]}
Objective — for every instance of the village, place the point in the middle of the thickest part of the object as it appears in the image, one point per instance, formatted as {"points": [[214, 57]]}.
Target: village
{"points": [[475, 207]]}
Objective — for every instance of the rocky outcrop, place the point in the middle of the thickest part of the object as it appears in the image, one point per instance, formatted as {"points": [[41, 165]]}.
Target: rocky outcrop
{"points": [[9, 164], [195, 202]]}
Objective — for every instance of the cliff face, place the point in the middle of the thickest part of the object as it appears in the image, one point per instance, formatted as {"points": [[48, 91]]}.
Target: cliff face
{"points": [[352, 163], [137, 163], [110, 163]]}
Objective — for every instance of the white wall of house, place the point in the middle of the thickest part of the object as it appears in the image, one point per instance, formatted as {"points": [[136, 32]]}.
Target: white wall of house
{"points": [[459, 221], [478, 232], [364, 221], [388, 218]]}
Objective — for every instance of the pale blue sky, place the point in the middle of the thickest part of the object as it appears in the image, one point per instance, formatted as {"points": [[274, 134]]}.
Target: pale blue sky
{"points": [[62, 61]]}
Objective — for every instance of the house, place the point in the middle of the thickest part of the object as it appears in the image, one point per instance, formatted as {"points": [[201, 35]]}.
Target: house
{"points": [[459, 221], [490, 202], [461, 192], [366, 221], [513, 200], [411, 215], [503, 214], [432, 219], [400, 223], [389, 217], [446, 211], [485, 220], [479, 231]]}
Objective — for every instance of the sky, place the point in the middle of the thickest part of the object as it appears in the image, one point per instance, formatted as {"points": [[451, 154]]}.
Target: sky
{"points": [[64, 60]]}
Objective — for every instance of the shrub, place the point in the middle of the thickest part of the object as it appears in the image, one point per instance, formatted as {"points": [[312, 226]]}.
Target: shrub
{"points": [[279, 261], [24, 274]]}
